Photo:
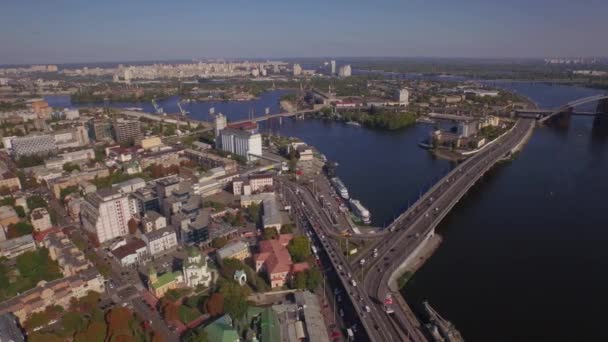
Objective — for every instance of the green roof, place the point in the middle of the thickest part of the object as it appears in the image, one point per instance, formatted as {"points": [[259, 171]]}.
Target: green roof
{"points": [[165, 279], [221, 331]]}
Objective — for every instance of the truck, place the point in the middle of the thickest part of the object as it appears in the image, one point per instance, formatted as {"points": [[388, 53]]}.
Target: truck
{"points": [[350, 334]]}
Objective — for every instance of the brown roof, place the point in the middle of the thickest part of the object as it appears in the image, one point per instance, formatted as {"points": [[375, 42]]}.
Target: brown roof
{"points": [[129, 248]]}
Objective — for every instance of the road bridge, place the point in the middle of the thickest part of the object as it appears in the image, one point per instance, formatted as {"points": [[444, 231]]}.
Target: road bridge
{"points": [[570, 105]]}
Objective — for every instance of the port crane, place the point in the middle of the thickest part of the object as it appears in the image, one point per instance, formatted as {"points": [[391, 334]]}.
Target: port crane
{"points": [[157, 108], [182, 110]]}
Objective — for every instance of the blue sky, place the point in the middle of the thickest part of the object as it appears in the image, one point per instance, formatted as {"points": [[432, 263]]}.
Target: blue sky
{"points": [[59, 31]]}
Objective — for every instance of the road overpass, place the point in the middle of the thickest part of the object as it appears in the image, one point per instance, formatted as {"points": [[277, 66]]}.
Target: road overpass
{"points": [[412, 229]]}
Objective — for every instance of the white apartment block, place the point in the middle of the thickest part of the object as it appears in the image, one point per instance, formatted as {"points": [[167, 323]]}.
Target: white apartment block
{"points": [[106, 214], [41, 219], [242, 143]]}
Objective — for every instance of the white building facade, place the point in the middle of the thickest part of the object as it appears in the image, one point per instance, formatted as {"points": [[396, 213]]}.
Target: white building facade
{"points": [[106, 214]]}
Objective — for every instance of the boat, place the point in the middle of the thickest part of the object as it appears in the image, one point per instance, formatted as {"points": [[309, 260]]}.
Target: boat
{"points": [[361, 212], [353, 123], [425, 145], [340, 187]]}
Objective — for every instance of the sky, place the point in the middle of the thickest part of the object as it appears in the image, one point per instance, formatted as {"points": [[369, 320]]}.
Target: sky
{"points": [[74, 31]]}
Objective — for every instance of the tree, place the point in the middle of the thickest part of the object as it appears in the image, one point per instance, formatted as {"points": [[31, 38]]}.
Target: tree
{"points": [[287, 228], [19, 229], [118, 319], [219, 242], [299, 281], [36, 201], [198, 335], [133, 225], [299, 248], [72, 322], [20, 211], [5, 191], [270, 233], [69, 167], [214, 306], [254, 213], [235, 299], [313, 279], [170, 312], [95, 332]]}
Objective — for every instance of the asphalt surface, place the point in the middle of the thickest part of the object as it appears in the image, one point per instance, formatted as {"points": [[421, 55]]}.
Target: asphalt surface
{"points": [[399, 241]]}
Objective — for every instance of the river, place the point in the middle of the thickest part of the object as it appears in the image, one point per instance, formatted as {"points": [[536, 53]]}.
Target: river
{"points": [[524, 253]]}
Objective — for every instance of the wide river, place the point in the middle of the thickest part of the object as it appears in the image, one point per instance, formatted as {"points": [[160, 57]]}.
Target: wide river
{"points": [[524, 256]]}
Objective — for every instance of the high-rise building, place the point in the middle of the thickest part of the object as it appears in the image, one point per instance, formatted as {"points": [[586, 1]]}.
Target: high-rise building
{"points": [[345, 71], [220, 123], [127, 131], [297, 69], [402, 96], [106, 214], [43, 144], [240, 142], [100, 130], [333, 67]]}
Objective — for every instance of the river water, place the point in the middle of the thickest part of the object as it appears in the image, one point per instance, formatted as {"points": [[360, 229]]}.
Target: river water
{"points": [[524, 255]]}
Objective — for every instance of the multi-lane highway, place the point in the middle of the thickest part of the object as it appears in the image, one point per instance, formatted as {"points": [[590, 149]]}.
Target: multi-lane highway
{"points": [[403, 237]]}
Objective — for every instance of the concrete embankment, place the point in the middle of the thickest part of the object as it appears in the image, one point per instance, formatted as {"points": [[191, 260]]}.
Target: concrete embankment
{"points": [[415, 260]]}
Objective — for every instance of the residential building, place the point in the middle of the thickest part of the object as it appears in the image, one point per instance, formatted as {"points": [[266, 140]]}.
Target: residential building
{"points": [[9, 180], [106, 214], [76, 178], [134, 252], [345, 71], [150, 143], [333, 67], [127, 131], [260, 181], [71, 260], [42, 144], [41, 219], [243, 143], [56, 292], [70, 157], [195, 269], [10, 331], [153, 221], [160, 241], [100, 130], [41, 108], [130, 185], [467, 128], [489, 120], [145, 199], [71, 138], [234, 250], [275, 260], [8, 215], [17, 246], [402, 96], [210, 160], [297, 70], [196, 232]]}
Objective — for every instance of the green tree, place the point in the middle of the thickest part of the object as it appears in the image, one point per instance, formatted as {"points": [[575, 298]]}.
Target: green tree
{"points": [[299, 248], [72, 322], [270, 233], [36, 201], [19, 229], [235, 299], [299, 281], [254, 213], [20, 211], [313, 278], [219, 242], [69, 167], [287, 228]]}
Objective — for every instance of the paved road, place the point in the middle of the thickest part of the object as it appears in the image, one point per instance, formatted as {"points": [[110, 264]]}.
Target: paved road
{"points": [[413, 226]]}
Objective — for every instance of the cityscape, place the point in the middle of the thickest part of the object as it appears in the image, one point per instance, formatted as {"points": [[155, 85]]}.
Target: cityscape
{"points": [[152, 190]]}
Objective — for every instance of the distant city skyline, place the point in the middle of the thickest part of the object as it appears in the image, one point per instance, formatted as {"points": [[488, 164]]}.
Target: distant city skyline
{"points": [[68, 31]]}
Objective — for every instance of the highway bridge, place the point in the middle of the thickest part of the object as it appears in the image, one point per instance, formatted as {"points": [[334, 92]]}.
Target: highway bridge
{"points": [[273, 116], [412, 229], [572, 104]]}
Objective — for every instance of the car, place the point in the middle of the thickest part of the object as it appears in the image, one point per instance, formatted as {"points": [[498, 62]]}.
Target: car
{"points": [[367, 309], [340, 267]]}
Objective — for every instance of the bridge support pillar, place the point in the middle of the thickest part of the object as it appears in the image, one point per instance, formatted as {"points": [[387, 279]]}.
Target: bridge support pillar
{"points": [[602, 106]]}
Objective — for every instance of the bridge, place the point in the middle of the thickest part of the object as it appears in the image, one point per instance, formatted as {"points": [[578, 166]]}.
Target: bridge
{"points": [[413, 228], [273, 116], [570, 105], [401, 244]]}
